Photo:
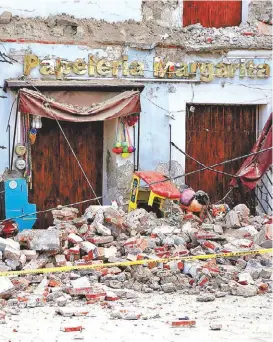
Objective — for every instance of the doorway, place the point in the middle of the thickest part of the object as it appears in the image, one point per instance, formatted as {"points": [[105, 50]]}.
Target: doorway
{"points": [[215, 133], [57, 177]]}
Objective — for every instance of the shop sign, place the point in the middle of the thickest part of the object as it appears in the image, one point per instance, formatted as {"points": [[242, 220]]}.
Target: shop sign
{"points": [[94, 67]]}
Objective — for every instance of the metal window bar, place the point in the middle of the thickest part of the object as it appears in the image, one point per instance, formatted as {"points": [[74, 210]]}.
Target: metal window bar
{"points": [[264, 193]]}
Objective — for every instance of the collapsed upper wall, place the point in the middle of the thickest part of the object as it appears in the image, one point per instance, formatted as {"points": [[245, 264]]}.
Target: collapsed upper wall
{"points": [[158, 27], [260, 10]]}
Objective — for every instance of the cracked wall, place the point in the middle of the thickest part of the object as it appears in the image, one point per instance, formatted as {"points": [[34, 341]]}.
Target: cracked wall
{"points": [[166, 13], [157, 24]]}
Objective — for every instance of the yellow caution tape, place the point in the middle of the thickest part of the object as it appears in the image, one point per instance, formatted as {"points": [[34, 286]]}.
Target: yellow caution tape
{"points": [[133, 263]]}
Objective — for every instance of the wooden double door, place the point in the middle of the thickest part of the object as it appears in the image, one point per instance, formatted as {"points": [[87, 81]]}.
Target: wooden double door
{"points": [[215, 133], [57, 177]]}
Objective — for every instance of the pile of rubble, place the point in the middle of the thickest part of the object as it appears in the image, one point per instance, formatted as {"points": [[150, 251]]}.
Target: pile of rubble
{"points": [[109, 235]]}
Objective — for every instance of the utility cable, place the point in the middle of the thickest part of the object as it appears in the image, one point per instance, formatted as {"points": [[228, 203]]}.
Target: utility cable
{"points": [[56, 208], [77, 160], [198, 162], [211, 166]]}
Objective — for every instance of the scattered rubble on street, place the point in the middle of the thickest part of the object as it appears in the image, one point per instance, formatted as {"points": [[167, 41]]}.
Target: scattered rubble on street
{"points": [[109, 235]]}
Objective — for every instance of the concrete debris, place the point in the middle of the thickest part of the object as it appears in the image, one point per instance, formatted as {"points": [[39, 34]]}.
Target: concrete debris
{"points": [[69, 312], [6, 287], [8, 243], [42, 240], [138, 235], [151, 32], [5, 17], [206, 297], [232, 219], [215, 326]]}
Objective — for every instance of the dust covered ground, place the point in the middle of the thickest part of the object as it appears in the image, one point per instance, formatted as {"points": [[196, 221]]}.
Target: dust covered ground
{"points": [[242, 319]]}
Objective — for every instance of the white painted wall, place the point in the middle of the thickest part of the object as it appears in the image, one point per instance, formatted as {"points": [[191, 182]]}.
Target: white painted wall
{"points": [[109, 10]]}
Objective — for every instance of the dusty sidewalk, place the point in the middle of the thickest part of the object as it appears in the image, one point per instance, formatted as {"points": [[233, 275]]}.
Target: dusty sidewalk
{"points": [[244, 320]]}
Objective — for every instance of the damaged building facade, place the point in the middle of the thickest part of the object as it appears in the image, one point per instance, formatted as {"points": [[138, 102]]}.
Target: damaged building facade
{"points": [[204, 84]]}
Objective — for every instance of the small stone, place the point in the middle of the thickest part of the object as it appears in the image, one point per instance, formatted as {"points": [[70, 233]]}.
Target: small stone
{"points": [[241, 264], [266, 273], [11, 253], [42, 240], [80, 32], [168, 288], [51, 22], [57, 31], [8, 243], [5, 17], [82, 282], [61, 301], [215, 326], [4, 267], [40, 262], [232, 220], [220, 294], [90, 249], [60, 260], [66, 21], [6, 287], [30, 254], [68, 312], [13, 264], [74, 238], [218, 229], [206, 297]]}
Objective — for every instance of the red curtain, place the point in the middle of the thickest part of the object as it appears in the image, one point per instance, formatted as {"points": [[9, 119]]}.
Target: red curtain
{"points": [[123, 104], [255, 166]]}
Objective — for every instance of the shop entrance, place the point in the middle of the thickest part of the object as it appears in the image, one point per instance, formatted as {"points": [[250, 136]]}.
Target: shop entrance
{"points": [[57, 177], [215, 133]]}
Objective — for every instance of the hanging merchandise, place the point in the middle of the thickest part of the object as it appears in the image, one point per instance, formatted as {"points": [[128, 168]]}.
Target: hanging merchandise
{"points": [[117, 146], [132, 119], [27, 143], [131, 148], [32, 135], [123, 145], [36, 122]]}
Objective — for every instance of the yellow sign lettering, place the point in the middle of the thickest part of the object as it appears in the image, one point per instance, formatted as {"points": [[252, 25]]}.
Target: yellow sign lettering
{"points": [[103, 67], [79, 66], [47, 67], [136, 68], [206, 72], [30, 62], [162, 68]]}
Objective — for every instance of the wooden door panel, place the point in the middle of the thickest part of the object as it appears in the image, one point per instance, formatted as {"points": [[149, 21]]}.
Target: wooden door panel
{"points": [[215, 134], [212, 13], [45, 171], [57, 177]]}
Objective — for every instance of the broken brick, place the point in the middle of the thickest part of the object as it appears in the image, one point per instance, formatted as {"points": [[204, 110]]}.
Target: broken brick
{"points": [[60, 260], [183, 323]]}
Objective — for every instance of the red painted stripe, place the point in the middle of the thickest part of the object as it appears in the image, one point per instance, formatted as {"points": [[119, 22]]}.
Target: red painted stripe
{"points": [[22, 40]]}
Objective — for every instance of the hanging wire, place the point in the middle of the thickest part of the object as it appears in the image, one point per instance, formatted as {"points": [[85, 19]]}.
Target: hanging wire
{"points": [[211, 166], [78, 162], [57, 208]]}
